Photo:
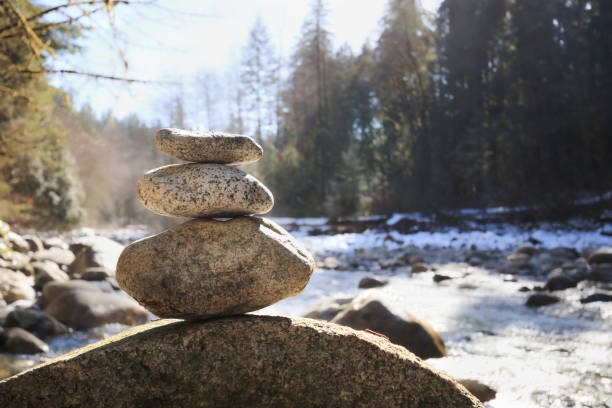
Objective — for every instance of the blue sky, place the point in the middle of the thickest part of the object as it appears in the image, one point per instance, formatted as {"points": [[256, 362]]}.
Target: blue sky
{"points": [[180, 39]]}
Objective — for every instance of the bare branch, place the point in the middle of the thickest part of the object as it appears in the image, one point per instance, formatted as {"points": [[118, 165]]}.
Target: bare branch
{"points": [[97, 76]]}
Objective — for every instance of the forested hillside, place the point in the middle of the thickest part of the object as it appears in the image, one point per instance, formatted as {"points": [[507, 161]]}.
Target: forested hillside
{"points": [[497, 102], [489, 102]]}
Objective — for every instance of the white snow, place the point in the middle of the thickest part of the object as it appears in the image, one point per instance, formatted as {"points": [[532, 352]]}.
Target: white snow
{"points": [[397, 217], [311, 222], [503, 239]]}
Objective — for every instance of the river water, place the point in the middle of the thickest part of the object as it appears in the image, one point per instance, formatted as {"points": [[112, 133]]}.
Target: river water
{"points": [[553, 356], [556, 356]]}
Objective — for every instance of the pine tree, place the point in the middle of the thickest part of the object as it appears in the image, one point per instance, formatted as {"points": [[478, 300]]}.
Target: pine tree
{"points": [[259, 78]]}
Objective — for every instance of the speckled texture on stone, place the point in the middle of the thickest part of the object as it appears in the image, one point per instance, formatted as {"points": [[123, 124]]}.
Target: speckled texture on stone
{"points": [[203, 190], [208, 147], [204, 268], [254, 361]]}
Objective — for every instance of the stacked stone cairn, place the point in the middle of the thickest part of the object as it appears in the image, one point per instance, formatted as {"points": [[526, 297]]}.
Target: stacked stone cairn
{"points": [[204, 268], [224, 261]]}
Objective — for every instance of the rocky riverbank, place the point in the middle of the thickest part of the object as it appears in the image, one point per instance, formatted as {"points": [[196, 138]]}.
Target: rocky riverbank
{"points": [[52, 287], [470, 289]]}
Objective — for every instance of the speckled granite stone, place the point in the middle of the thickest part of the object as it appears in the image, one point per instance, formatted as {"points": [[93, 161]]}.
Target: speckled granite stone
{"points": [[208, 147], [204, 268], [203, 190], [244, 361]]}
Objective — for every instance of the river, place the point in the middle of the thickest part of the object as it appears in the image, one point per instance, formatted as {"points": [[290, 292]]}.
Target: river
{"points": [[554, 356]]}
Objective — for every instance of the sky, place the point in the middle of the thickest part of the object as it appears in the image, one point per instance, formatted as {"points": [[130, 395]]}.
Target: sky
{"points": [[180, 40]]}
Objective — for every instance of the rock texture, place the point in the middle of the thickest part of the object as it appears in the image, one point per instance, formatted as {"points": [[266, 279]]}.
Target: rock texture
{"points": [[208, 147], [240, 361], [203, 190], [203, 268]]}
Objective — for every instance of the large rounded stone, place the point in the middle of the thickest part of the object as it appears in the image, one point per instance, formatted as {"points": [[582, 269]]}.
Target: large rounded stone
{"points": [[204, 268], [82, 310], [203, 190], [405, 330], [245, 361], [207, 147]]}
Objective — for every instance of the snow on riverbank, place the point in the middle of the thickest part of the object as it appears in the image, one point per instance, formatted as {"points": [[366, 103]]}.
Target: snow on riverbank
{"points": [[503, 239], [572, 234]]}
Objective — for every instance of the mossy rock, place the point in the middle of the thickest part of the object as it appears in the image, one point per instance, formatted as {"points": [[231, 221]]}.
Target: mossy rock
{"points": [[237, 361]]}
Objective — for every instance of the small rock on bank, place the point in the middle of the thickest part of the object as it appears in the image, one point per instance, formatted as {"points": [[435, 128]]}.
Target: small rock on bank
{"points": [[19, 341], [481, 391], [83, 310], [36, 322], [601, 255], [369, 283], [596, 297], [541, 299]]}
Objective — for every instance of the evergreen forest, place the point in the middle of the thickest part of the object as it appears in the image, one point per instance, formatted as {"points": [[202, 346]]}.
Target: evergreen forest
{"points": [[485, 103]]}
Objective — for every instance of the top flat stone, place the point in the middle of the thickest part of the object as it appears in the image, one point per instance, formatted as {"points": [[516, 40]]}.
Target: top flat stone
{"points": [[208, 147]]}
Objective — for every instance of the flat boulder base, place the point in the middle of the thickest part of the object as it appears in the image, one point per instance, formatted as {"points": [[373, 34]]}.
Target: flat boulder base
{"points": [[208, 147], [206, 268], [261, 361], [203, 190]]}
